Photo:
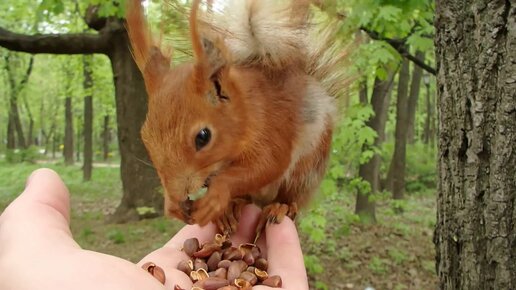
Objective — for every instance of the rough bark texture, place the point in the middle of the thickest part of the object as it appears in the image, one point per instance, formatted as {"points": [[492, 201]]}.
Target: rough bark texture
{"points": [[68, 134], [370, 171], [87, 166], [415, 85], [139, 180], [396, 175], [476, 213]]}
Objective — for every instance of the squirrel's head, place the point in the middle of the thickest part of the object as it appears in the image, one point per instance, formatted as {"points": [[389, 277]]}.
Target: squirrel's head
{"points": [[194, 120]]}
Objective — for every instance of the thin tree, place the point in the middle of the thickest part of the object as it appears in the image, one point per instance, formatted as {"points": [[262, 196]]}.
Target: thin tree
{"points": [[396, 175], [415, 86], [365, 208], [88, 119]]}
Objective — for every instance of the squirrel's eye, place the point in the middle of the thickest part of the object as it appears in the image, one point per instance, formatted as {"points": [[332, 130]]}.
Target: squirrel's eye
{"points": [[202, 138]]}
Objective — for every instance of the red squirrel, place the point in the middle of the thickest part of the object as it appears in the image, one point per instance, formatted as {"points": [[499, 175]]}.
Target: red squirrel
{"points": [[250, 118]]}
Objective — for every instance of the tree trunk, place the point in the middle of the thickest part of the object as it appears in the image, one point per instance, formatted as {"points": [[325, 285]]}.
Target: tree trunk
{"points": [[475, 233], [396, 176], [78, 150], [54, 146], [139, 179], [387, 88], [106, 138], [11, 135], [370, 171], [417, 74], [429, 114], [15, 89], [68, 136], [30, 133], [88, 119], [16, 121]]}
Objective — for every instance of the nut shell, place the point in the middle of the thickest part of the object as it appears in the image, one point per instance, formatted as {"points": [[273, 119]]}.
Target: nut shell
{"points": [[156, 271], [211, 283], [273, 281]]}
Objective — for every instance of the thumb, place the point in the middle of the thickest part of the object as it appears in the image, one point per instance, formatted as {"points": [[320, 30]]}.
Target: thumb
{"points": [[41, 213]]}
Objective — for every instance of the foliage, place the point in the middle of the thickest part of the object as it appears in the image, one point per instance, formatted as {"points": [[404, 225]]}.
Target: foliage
{"points": [[420, 176], [30, 155]]}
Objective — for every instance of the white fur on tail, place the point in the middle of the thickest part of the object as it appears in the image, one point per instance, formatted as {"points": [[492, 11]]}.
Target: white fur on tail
{"points": [[269, 32]]}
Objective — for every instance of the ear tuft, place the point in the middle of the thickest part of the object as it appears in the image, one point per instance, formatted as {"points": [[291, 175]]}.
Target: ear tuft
{"points": [[148, 56], [210, 54], [214, 57]]}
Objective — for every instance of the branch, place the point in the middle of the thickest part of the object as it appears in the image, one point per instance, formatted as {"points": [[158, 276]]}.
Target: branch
{"points": [[80, 43], [400, 46]]}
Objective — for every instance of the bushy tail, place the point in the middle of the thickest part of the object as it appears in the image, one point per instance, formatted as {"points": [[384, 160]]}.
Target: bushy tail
{"points": [[266, 32], [277, 33]]}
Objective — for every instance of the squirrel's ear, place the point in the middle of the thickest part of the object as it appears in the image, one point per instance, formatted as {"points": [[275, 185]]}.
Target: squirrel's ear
{"points": [[151, 61], [210, 54], [213, 57]]}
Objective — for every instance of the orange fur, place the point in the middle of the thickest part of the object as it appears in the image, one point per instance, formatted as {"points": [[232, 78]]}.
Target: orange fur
{"points": [[270, 125]]}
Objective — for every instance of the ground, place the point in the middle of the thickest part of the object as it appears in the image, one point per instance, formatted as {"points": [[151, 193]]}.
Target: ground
{"points": [[397, 253]]}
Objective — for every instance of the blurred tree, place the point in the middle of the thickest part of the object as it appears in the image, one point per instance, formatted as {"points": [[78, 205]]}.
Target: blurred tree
{"points": [[475, 234], [396, 175], [68, 133], [13, 62], [139, 179], [370, 170], [415, 86], [88, 118]]}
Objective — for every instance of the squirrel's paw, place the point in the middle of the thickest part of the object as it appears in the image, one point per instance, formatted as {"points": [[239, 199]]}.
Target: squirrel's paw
{"points": [[228, 222], [274, 214], [210, 207]]}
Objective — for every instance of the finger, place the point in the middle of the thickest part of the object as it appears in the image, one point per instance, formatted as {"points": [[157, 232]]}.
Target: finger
{"points": [[247, 225], [44, 189], [285, 255], [41, 213]]}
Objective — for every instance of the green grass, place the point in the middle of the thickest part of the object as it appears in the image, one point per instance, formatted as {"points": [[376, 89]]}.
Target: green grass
{"points": [[105, 181]]}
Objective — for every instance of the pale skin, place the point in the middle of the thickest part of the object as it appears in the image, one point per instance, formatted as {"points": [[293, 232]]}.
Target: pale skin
{"points": [[37, 250]]}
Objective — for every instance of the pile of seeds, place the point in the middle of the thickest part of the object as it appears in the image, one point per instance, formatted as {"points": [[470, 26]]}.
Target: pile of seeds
{"points": [[217, 265]]}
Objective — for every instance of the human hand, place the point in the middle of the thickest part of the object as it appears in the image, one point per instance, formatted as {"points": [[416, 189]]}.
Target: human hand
{"points": [[37, 250]]}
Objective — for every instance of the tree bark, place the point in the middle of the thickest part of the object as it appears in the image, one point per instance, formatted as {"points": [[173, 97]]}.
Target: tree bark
{"points": [[30, 133], [415, 85], [140, 183], [475, 233], [68, 134], [88, 120], [11, 135], [396, 175], [106, 136], [140, 180], [370, 171]]}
